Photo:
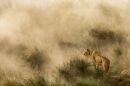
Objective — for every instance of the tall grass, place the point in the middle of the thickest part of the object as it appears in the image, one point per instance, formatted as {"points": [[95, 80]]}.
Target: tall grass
{"points": [[76, 72]]}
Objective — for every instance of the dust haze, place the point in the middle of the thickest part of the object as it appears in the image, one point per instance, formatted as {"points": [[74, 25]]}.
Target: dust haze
{"points": [[59, 30]]}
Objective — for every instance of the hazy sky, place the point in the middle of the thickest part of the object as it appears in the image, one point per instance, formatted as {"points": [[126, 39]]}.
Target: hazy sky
{"points": [[50, 2]]}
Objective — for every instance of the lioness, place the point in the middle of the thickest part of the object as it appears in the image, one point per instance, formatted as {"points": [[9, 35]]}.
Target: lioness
{"points": [[99, 61]]}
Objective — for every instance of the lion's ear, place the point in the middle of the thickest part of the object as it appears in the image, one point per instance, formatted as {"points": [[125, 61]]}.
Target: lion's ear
{"points": [[88, 50]]}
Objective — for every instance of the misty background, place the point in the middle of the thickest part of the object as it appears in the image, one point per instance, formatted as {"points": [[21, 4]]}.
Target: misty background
{"points": [[58, 30]]}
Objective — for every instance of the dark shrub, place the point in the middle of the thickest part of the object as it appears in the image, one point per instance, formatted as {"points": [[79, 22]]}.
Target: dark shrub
{"points": [[36, 59], [75, 68], [106, 36], [102, 34]]}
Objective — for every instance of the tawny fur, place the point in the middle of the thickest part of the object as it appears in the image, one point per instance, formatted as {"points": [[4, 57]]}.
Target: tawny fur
{"points": [[98, 59]]}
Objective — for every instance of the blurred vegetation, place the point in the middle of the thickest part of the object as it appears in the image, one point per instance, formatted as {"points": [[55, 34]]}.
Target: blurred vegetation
{"points": [[101, 34], [88, 82], [75, 68], [118, 51], [35, 81], [36, 58], [67, 45], [76, 72]]}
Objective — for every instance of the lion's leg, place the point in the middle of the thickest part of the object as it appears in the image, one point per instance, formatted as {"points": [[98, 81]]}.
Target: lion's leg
{"points": [[97, 66], [94, 64], [104, 66]]}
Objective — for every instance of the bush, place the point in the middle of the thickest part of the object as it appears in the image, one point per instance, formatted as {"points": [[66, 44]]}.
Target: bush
{"points": [[80, 67], [118, 51], [74, 69], [103, 34], [100, 33], [36, 59]]}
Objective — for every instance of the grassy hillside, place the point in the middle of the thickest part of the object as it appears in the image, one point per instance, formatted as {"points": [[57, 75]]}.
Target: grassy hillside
{"points": [[41, 42]]}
